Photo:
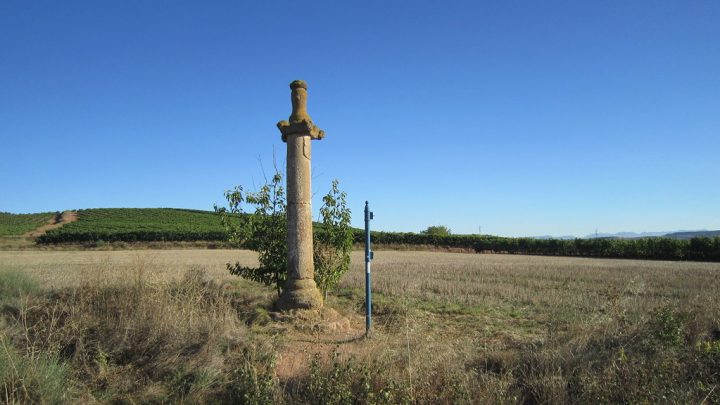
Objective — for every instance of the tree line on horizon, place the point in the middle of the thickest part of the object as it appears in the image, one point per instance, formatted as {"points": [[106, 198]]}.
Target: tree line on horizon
{"points": [[658, 248]]}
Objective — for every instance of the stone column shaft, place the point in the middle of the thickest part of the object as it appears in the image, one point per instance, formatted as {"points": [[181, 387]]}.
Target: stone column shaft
{"points": [[299, 212]]}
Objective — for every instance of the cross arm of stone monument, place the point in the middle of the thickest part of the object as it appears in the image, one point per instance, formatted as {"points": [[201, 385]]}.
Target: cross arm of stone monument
{"points": [[300, 127], [299, 122]]}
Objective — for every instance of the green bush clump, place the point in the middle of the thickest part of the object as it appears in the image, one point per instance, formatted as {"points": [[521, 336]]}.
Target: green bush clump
{"points": [[347, 381], [38, 379]]}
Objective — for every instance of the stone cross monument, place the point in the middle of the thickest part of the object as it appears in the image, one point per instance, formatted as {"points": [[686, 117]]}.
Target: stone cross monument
{"points": [[300, 291]]}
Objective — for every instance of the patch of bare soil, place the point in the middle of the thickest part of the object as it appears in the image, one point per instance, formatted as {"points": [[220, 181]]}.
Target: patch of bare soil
{"points": [[56, 222], [316, 333]]}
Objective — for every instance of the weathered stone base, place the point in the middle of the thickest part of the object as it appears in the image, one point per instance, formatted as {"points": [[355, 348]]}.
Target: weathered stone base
{"points": [[300, 294]]}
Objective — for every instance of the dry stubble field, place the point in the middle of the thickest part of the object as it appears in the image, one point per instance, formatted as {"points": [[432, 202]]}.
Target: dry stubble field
{"points": [[449, 328]]}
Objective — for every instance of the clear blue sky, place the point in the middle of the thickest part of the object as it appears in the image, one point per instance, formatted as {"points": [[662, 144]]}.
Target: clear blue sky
{"points": [[524, 117]]}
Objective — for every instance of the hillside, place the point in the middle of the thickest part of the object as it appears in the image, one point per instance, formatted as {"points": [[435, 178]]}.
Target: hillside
{"points": [[19, 224], [138, 225]]}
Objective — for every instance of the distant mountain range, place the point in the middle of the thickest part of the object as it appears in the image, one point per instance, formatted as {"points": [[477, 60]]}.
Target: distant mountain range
{"points": [[692, 234], [635, 235], [627, 235], [554, 237]]}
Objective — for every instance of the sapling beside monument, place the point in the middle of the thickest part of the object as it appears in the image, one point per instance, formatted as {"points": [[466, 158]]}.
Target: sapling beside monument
{"points": [[261, 228], [333, 240]]}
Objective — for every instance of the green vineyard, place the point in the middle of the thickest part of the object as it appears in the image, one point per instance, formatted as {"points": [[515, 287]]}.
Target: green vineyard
{"points": [[18, 224], [138, 225]]}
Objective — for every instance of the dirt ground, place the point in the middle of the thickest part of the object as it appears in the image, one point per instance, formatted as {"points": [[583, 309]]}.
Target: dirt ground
{"points": [[65, 218]]}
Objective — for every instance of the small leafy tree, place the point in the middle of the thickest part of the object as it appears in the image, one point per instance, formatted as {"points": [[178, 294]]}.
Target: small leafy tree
{"points": [[437, 230], [333, 240], [263, 230]]}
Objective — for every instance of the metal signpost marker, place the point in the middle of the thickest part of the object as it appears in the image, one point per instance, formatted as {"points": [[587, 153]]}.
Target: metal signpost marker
{"points": [[368, 259]]}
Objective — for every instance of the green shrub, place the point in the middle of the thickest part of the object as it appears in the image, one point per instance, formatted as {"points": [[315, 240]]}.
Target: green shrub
{"points": [[347, 381], [41, 379], [668, 325], [252, 380], [437, 230], [333, 240]]}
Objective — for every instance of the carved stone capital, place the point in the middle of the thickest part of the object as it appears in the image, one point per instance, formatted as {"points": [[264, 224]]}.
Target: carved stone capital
{"points": [[299, 122], [304, 127]]}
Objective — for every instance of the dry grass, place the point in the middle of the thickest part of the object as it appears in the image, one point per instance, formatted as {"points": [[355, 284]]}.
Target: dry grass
{"points": [[536, 287], [449, 328], [56, 269], [545, 329], [128, 327]]}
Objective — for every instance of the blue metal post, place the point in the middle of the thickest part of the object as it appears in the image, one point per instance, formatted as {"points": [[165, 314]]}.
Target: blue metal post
{"points": [[368, 259]]}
